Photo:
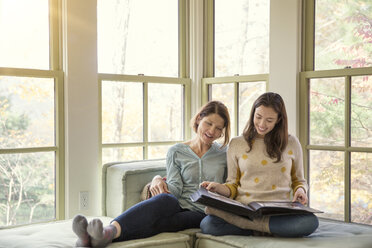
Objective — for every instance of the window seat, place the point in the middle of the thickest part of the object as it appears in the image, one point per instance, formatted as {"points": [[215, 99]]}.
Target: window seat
{"points": [[122, 186]]}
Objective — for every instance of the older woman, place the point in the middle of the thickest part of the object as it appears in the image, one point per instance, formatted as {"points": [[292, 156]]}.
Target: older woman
{"points": [[170, 209]]}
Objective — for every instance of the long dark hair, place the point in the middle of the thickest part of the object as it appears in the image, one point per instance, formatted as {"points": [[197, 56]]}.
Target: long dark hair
{"points": [[277, 139], [214, 107]]}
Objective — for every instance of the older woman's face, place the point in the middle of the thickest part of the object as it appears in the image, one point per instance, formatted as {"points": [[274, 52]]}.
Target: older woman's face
{"points": [[210, 128]]}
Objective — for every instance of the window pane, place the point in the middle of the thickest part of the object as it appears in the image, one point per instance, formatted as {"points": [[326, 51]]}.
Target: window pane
{"points": [[135, 39], [327, 111], [327, 183], [361, 181], [27, 112], [156, 152], [165, 112], [122, 112], [121, 154], [24, 28], [27, 189], [248, 93], [241, 37], [225, 94], [361, 111], [342, 34]]}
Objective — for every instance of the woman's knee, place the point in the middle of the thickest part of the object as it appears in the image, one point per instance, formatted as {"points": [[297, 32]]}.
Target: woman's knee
{"points": [[310, 223], [165, 200], [293, 225], [208, 224]]}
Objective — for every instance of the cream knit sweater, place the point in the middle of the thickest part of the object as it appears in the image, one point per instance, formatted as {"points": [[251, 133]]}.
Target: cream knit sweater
{"points": [[253, 176]]}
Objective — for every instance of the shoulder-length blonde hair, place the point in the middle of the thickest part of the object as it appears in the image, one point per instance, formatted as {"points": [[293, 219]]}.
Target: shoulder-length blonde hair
{"points": [[213, 107], [277, 139]]}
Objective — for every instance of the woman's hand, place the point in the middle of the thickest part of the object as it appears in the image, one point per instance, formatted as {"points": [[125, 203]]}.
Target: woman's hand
{"points": [[216, 187], [300, 196], [158, 186], [211, 186]]}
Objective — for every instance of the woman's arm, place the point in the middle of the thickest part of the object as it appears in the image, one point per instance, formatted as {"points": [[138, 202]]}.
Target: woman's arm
{"points": [[233, 170], [299, 184], [174, 177]]}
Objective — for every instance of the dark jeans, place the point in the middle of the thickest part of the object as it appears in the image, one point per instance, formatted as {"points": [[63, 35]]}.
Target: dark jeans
{"points": [[296, 225], [161, 213]]}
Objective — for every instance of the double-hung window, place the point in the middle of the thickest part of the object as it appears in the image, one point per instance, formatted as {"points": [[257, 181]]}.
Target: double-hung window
{"points": [[144, 86], [31, 113], [237, 55], [336, 107]]}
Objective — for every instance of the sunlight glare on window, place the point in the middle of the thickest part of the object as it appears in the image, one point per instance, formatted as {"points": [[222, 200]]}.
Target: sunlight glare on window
{"points": [[241, 37], [122, 112], [24, 27], [165, 112], [138, 37]]}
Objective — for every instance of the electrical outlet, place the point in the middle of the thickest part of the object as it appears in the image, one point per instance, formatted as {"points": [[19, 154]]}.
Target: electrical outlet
{"points": [[84, 200]]}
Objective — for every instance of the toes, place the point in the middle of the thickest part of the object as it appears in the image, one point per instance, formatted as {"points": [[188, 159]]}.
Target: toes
{"points": [[79, 224], [95, 229]]}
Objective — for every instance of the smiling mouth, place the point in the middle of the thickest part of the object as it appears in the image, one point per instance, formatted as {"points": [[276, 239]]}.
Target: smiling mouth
{"points": [[261, 130], [208, 136]]}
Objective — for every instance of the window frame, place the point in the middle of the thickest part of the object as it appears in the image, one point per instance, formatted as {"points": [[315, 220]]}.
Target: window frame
{"points": [[208, 71], [307, 73], [145, 81], [183, 79], [235, 80], [55, 72]]}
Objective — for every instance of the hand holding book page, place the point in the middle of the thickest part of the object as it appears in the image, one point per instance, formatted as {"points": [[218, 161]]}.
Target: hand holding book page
{"points": [[253, 209]]}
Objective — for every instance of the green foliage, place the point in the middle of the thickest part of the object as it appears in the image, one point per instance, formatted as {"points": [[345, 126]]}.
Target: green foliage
{"points": [[17, 122]]}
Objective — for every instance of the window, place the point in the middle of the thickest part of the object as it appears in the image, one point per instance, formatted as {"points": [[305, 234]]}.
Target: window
{"points": [[238, 94], [238, 71], [144, 90], [241, 37], [342, 34], [336, 108], [31, 114]]}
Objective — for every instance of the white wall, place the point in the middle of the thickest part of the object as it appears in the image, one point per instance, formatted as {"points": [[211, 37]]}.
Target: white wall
{"points": [[81, 105], [81, 89], [285, 23]]}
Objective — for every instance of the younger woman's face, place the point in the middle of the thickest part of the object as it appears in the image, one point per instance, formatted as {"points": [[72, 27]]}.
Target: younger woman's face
{"points": [[210, 128], [264, 120]]}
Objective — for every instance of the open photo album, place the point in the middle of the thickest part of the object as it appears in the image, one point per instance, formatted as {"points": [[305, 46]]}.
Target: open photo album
{"points": [[253, 209]]}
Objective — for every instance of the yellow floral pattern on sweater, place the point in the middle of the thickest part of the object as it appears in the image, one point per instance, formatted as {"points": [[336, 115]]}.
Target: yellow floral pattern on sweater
{"points": [[254, 176]]}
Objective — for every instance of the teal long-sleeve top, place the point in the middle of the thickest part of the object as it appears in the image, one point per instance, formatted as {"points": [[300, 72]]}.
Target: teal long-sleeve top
{"points": [[185, 171]]}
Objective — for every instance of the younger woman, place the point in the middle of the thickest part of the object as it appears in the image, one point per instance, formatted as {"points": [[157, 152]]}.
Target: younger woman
{"points": [[188, 164], [264, 164]]}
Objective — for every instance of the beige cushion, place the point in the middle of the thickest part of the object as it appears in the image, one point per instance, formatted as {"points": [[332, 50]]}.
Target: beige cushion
{"points": [[124, 182], [330, 234], [60, 234]]}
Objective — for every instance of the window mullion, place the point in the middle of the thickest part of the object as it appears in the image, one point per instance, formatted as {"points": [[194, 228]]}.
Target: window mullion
{"points": [[145, 120], [236, 107], [347, 145]]}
